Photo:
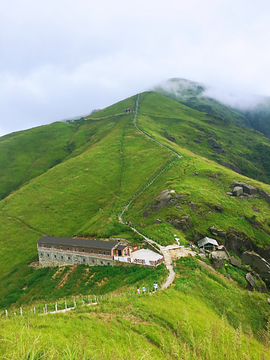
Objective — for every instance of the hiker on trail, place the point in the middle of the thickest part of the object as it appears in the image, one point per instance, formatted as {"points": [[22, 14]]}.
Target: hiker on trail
{"points": [[143, 289], [155, 286], [138, 291]]}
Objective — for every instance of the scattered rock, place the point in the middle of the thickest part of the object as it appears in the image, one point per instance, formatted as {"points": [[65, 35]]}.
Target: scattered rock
{"points": [[196, 173], [268, 300], [217, 148], [229, 193], [184, 223], [235, 262], [219, 208], [197, 235], [228, 277], [217, 232], [157, 221], [254, 208], [179, 208], [250, 279]]}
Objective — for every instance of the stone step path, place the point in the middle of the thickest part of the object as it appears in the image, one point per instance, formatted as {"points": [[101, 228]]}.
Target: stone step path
{"points": [[163, 249]]}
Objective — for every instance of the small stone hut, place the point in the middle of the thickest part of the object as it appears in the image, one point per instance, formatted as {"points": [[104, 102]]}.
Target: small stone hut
{"points": [[207, 243]]}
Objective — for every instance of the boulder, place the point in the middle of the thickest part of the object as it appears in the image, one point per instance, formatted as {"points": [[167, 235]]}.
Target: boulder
{"points": [[265, 195], [248, 189], [157, 221], [257, 263], [228, 277], [213, 230], [235, 262], [237, 191], [217, 263], [250, 279]]}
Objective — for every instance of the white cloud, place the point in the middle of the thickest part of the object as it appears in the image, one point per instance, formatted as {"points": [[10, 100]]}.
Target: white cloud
{"points": [[64, 58]]}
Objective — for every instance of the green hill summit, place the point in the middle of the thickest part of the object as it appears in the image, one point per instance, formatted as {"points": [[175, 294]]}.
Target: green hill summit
{"points": [[165, 169]]}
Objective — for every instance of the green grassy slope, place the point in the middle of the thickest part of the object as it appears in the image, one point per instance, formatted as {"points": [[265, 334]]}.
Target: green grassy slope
{"points": [[203, 316], [243, 147], [209, 186], [27, 154], [81, 196], [105, 162]]}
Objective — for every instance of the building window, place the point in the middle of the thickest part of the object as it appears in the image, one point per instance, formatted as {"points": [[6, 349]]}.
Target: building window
{"points": [[41, 254], [62, 257], [99, 252], [83, 260], [91, 251], [69, 258], [101, 262], [61, 248], [55, 256], [93, 261], [67, 248], [48, 255], [104, 253], [82, 250], [108, 264], [108, 253]]}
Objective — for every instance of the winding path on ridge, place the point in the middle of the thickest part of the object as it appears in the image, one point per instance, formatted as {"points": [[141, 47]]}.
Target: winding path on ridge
{"points": [[163, 249]]}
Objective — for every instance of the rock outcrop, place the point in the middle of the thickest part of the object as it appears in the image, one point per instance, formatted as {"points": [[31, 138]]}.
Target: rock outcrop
{"points": [[259, 264], [164, 199]]}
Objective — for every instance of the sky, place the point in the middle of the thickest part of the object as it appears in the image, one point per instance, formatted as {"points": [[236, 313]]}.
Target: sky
{"points": [[63, 58]]}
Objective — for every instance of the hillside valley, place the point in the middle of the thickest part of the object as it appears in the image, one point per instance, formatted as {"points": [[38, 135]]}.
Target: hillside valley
{"points": [[171, 174]]}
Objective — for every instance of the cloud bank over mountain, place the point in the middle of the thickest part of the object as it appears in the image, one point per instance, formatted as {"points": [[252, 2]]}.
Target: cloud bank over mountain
{"points": [[64, 58]]}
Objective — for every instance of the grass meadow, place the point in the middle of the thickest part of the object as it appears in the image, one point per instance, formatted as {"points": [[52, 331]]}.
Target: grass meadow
{"points": [[203, 316]]}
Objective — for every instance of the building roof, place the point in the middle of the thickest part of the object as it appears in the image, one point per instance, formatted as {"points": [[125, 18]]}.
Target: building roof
{"points": [[206, 241], [146, 254], [121, 247], [99, 244]]}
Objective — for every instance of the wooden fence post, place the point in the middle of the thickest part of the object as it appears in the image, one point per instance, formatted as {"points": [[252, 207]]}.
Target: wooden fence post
{"points": [[6, 313], [65, 304], [34, 309], [56, 307], [20, 310], [74, 303], [46, 308]]}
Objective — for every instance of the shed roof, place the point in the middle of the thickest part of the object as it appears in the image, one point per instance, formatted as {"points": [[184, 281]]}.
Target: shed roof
{"points": [[206, 241], [99, 244]]}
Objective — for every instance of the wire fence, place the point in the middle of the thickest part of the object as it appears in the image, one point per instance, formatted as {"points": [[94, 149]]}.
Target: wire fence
{"points": [[63, 306]]}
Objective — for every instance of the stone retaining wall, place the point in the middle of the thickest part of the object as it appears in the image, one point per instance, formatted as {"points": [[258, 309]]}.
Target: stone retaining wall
{"points": [[59, 258]]}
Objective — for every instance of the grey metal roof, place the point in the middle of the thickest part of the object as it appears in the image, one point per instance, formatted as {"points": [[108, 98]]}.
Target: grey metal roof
{"points": [[207, 240], [120, 247], [99, 244]]}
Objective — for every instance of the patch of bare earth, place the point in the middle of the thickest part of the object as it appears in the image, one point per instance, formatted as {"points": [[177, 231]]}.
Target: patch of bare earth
{"points": [[64, 280], [181, 252]]}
